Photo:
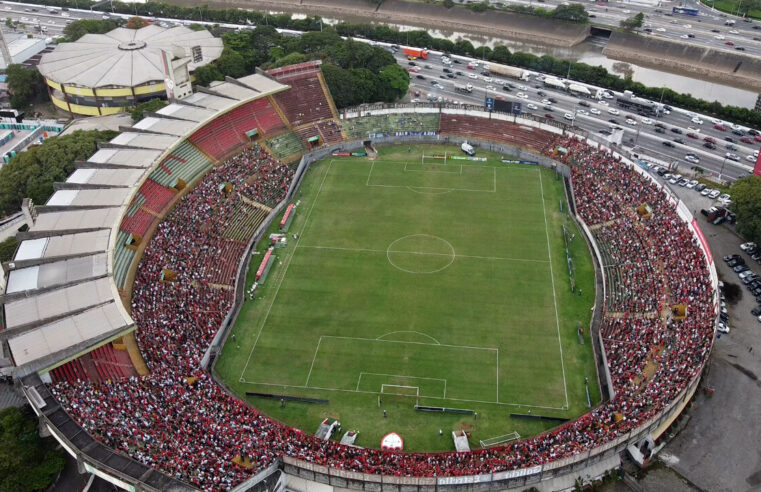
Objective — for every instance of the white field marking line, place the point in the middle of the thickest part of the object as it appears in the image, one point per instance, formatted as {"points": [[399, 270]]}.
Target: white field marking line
{"points": [[359, 380], [497, 375], [313, 359], [446, 190], [367, 183], [430, 188], [554, 296], [369, 250], [407, 170], [339, 337], [407, 331], [320, 388], [440, 192], [288, 264]]}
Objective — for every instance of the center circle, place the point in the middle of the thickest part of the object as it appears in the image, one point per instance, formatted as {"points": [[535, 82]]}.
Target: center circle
{"points": [[420, 253]]}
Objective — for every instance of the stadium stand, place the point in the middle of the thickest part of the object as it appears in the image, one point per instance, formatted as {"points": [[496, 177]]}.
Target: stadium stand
{"points": [[185, 163], [285, 145], [362, 127], [123, 257], [493, 130], [306, 102]]}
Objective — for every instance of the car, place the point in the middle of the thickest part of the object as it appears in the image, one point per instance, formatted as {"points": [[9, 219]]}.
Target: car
{"points": [[692, 184], [715, 30], [740, 268], [411, 63], [740, 48], [722, 327], [613, 111], [736, 262], [594, 111], [734, 31], [660, 130], [604, 132], [675, 178], [706, 191], [756, 311], [568, 116], [738, 132], [693, 135], [719, 37], [427, 66], [731, 257], [677, 130], [522, 95], [413, 69], [418, 76], [700, 187], [750, 158], [714, 194], [756, 256], [447, 70], [487, 79], [582, 111], [438, 86], [730, 43], [697, 120], [552, 100], [757, 138], [724, 197], [646, 121], [490, 88], [709, 145], [630, 121], [753, 132], [549, 116], [746, 140], [682, 182], [451, 75], [747, 246], [459, 73], [692, 158], [472, 76], [613, 120], [546, 101], [720, 127], [581, 103], [531, 106], [729, 139], [668, 143], [661, 29], [602, 103], [732, 157], [684, 36], [661, 171]]}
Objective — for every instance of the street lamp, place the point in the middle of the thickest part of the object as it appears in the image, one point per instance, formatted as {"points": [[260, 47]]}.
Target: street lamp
{"points": [[722, 167]]}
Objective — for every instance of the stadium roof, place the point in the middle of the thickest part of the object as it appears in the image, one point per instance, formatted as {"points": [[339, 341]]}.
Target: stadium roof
{"points": [[125, 57], [60, 299]]}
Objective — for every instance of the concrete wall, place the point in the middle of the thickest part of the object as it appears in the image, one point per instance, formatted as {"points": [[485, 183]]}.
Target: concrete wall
{"points": [[726, 66]]}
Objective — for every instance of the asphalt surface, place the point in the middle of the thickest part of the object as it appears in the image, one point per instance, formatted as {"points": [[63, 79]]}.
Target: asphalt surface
{"points": [[640, 138]]}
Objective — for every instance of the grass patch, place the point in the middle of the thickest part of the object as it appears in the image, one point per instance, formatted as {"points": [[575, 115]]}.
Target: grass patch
{"points": [[730, 7], [445, 277], [714, 184]]}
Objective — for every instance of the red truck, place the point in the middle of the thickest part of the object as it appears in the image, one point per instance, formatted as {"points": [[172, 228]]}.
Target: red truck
{"points": [[413, 53]]}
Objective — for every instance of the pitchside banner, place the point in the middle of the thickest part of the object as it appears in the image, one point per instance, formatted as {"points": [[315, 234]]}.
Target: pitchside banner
{"points": [[757, 169], [702, 238]]}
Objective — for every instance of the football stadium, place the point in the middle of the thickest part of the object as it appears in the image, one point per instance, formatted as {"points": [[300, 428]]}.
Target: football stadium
{"points": [[250, 287]]}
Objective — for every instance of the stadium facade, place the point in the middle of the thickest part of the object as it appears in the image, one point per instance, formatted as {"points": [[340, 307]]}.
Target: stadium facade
{"points": [[102, 74], [67, 305]]}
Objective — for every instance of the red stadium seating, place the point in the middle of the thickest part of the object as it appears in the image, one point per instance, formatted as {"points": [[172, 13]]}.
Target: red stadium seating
{"points": [[306, 101], [493, 130]]}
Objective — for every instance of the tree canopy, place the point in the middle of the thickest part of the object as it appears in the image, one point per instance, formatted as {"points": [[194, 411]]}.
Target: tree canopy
{"points": [[151, 106], [32, 173], [79, 28], [746, 203], [633, 22], [27, 462], [24, 84]]}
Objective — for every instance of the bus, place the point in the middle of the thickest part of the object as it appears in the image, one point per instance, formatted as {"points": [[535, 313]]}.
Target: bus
{"points": [[684, 10], [639, 106]]}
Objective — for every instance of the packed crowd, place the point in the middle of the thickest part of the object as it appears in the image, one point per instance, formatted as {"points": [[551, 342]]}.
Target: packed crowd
{"points": [[179, 421]]}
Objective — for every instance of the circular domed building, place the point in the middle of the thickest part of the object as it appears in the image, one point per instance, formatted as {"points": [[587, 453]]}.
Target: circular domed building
{"points": [[101, 74]]}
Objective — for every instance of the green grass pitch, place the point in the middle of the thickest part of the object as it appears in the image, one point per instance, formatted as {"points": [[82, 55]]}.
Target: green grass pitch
{"points": [[447, 277]]}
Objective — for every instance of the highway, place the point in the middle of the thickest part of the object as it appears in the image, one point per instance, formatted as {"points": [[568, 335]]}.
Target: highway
{"points": [[640, 138]]}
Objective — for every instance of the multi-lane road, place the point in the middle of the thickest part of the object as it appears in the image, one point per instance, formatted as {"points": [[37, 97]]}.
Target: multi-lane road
{"points": [[641, 138]]}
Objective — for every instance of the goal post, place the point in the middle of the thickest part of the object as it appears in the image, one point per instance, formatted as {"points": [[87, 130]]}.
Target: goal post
{"points": [[435, 160], [397, 394]]}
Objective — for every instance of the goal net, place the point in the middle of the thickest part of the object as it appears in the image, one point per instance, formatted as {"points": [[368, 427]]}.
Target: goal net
{"points": [[391, 394], [434, 160], [494, 441]]}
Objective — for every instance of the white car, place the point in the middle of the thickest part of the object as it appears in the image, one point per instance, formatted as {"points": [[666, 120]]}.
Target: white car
{"points": [[522, 95], [630, 121], [716, 121], [607, 95], [693, 129], [684, 36], [487, 79], [691, 184], [490, 88], [523, 87], [582, 111], [661, 29], [602, 103], [697, 120], [714, 194], [719, 37], [594, 111], [613, 111], [568, 116], [688, 26], [750, 158], [546, 102], [646, 121], [724, 197], [693, 159], [531, 106], [734, 31], [706, 191], [732, 157], [723, 327], [747, 246], [472, 76]]}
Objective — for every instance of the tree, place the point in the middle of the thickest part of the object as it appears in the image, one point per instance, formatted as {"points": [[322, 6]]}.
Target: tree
{"points": [[24, 85], [746, 203], [152, 105], [207, 74], [574, 12], [232, 63], [393, 83], [633, 22], [290, 59], [79, 28], [32, 173], [479, 7], [136, 23], [8, 248], [448, 3], [27, 462]]}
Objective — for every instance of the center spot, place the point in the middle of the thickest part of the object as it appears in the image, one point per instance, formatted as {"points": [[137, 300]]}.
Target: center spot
{"points": [[420, 253]]}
